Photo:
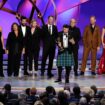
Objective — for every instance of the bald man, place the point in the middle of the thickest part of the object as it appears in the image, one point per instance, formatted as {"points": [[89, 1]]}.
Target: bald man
{"points": [[91, 42], [76, 34]]}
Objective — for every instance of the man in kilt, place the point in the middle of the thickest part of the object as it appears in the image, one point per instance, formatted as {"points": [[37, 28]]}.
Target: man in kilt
{"points": [[65, 56]]}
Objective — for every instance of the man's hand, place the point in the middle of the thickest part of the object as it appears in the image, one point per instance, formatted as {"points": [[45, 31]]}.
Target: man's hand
{"points": [[98, 48], [23, 51], [59, 44], [18, 16], [7, 51], [72, 41]]}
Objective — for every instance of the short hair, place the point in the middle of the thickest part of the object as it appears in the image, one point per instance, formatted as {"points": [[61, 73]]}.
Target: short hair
{"points": [[23, 17], [33, 90], [50, 89], [7, 87], [67, 88], [93, 16], [72, 103], [33, 20], [83, 101], [50, 16], [27, 91], [38, 103], [94, 88], [65, 26], [76, 90], [102, 101]]}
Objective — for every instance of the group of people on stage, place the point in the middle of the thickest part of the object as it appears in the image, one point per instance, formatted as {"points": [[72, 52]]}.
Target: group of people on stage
{"points": [[24, 39]]}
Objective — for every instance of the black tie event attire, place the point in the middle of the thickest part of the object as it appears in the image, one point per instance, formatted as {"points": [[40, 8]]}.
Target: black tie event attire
{"points": [[76, 35], [1, 56], [49, 35], [14, 46], [25, 32], [34, 45], [65, 56]]}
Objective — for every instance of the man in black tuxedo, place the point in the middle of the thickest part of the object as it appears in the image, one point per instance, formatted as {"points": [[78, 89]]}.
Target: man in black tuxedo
{"points": [[26, 32], [76, 34], [50, 34]]}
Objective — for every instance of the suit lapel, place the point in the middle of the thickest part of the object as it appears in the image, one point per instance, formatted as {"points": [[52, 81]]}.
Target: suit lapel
{"points": [[95, 30]]}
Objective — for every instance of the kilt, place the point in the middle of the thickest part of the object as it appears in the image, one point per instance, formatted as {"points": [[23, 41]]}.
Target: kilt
{"points": [[65, 59]]}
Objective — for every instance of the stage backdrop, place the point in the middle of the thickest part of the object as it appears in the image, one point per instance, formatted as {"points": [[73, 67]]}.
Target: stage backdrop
{"points": [[66, 9]]}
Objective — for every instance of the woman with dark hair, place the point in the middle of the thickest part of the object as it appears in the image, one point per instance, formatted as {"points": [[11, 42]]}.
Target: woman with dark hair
{"points": [[14, 49], [1, 53]]}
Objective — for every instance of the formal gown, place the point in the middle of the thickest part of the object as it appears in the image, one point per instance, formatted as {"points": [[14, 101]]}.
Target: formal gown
{"points": [[101, 68]]}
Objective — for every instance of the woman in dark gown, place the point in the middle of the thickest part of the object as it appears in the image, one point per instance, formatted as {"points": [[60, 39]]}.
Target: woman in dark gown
{"points": [[2, 51], [14, 49]]}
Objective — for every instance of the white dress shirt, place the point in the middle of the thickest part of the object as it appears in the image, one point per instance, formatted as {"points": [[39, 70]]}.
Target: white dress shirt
{"points": [[65, 40], [23, 30], [50, 26]]}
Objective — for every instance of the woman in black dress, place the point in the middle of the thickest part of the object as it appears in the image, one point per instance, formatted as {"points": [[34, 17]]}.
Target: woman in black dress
{"points": [[34, 45], [14, 49], [2, 51]]}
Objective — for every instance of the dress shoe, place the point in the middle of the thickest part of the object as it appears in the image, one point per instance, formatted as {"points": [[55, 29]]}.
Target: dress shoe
{"points": [[58, 80], [66, 81], [82, 73], [93, 73], [26, 73], [50, 76], [76, 74], [36, 73], [42, 74]]}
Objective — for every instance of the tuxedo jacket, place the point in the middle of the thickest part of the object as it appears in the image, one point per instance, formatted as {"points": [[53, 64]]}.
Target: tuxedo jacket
{"points": [[76, 34], [34, 40], [70, 46], [92, 39], [49, 40], [26, 38]]}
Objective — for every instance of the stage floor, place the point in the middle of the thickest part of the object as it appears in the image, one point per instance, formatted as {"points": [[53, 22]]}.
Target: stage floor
{"points": [[40, 83]]}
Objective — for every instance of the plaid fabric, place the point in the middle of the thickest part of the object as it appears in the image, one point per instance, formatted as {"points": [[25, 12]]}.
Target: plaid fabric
{"points": [[65, 59]]}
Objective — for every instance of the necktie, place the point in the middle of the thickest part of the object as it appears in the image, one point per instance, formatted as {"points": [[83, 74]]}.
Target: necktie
{"points": [[49, 29]]}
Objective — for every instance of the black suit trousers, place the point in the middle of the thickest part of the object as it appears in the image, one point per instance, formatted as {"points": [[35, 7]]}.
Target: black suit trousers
{"points": [[75, 55], [33, 56], [48, 52]]}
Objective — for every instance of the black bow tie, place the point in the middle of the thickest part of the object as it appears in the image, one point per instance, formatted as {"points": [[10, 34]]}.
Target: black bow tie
{"points": [[66, 35]]}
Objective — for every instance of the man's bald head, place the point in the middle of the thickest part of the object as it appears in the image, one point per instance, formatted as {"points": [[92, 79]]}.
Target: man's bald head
{"points": [[92, 20], [73, 22]]}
